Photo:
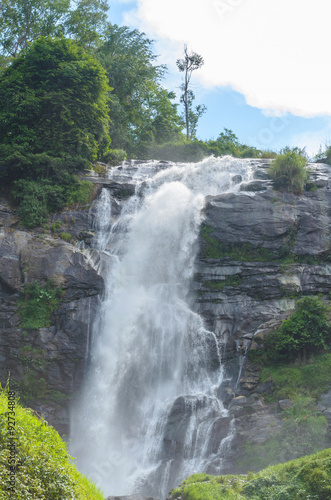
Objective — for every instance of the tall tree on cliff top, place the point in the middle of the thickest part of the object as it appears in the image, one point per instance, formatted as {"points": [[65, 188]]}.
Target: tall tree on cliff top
{"points": [[141, 110], [191, 62]]}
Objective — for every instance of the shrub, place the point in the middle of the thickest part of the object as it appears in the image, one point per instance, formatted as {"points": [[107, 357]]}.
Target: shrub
{"points": [[115, 156], [79, 192], [44, 468], [305, 332], [288, 171], [38, 199], [65, 236], [37, 304]]}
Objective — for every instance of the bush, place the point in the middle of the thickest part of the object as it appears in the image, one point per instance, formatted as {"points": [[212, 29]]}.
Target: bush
{"points": [[308, 477], [288, 171], [65, 236], [38, 199], [115, 157], [44, 467], [37, 304], [306, 331], [79, 192]]}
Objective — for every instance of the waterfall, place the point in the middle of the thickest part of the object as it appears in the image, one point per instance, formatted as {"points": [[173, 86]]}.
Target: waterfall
{"points": [[150, 409]]}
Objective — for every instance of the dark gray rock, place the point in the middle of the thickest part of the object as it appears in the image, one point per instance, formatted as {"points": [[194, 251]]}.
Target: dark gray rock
{"points": [[285, 404], [254, 186], [46, 365]]}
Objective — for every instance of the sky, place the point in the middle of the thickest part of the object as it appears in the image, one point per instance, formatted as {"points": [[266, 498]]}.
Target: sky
{"points": [[266, 73]]}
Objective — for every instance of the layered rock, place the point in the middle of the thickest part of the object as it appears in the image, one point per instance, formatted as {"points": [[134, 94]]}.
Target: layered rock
{"points": [[47, 364], [259, 252]]}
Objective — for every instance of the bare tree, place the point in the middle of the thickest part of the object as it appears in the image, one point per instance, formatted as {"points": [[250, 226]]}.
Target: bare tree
{"points": [[191, 62]]}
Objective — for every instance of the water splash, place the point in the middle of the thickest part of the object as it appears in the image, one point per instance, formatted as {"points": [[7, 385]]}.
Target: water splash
{"points": [[147, 415]]}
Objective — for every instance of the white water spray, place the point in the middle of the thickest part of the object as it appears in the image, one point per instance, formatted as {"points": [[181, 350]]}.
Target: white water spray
{"points": [[150, 401]]}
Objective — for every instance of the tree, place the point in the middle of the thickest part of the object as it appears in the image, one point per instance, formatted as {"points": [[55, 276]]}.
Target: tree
{"points": [[191, 62], [141, 110], [87, 23], [307, 330], [22, 21], [54, 110]]}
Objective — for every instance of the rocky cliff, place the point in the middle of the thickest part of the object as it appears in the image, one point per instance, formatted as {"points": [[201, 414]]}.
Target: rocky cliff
{"points": [[259, 251], [46, 365]]}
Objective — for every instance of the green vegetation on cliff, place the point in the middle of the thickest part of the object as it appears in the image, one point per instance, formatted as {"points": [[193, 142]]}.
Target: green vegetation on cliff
{"points": [[43, 467], [305, 332], [37, 304], [308, 477], [289, 172]]}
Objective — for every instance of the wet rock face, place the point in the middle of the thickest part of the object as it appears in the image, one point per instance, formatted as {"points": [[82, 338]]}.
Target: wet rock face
{"points": [[47, 365], [259, 252]]}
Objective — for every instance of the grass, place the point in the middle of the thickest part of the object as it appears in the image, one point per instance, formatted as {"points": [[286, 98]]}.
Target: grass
{"points": [[307, 379], [305, 478], [44, 467], [37, 304]]}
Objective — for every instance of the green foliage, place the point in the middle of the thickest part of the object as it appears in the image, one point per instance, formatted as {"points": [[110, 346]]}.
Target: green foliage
{"points": [[79, 192], [306, 331], [22, 21], [55, 225], [303, 431], [37, 304], [45, 471], [115, 157], [227, 143], [309, 379], [141, 110], [87, 23], [54, 104], [306, 478], [38, 199], [65, 236], [288, 171]]}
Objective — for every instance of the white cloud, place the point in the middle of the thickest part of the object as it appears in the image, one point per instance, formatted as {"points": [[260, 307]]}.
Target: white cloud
{"points": [[276, 53], [312, 141]]}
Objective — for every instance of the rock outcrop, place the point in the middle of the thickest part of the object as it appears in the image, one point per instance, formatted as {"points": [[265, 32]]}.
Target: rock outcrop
{"points": [[258, 253], [46, 365]]}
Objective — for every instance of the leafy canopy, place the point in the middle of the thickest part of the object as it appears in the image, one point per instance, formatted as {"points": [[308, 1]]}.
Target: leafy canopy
{"points": [[306, 331], [23, 21], [141, 110], [55, 102]]}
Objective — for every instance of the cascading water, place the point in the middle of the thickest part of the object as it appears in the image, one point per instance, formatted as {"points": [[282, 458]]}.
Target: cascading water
{"points": [[150, 406]]}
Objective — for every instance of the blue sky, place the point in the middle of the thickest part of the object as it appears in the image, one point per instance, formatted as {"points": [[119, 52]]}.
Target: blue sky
{"points": [[266, 64]]}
